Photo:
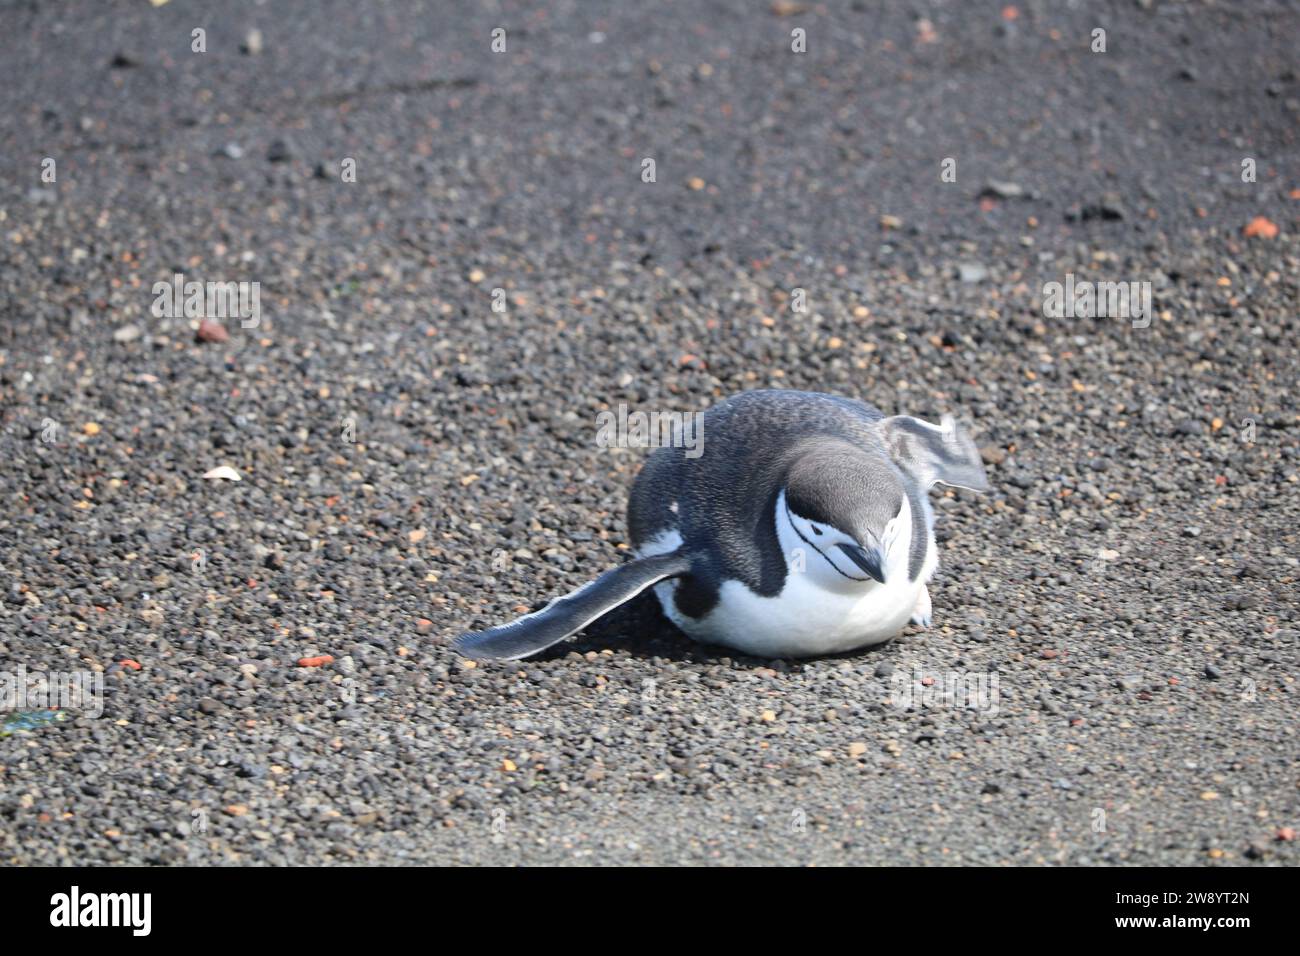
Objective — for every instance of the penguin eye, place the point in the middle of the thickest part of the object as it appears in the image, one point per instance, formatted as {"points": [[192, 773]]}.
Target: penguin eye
{"points": [[816, 530]]}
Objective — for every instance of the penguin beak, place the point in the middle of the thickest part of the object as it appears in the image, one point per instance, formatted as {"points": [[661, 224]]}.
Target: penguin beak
{"points": [[867, 559]]}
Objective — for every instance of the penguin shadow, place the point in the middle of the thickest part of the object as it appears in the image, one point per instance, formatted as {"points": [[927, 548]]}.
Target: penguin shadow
{"points": [[641, 629]]}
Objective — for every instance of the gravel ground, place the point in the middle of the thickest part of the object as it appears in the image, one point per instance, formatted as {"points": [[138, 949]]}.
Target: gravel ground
{"points": [[1130, 583]]}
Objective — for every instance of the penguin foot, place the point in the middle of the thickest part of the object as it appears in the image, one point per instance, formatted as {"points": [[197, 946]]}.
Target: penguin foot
{"points": [[922, 612]]}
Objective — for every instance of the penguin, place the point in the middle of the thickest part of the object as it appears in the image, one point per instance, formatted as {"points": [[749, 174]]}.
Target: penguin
{"points": [[802, 528]]}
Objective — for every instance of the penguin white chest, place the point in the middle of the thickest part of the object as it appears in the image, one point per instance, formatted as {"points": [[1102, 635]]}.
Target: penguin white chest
{"points": [[818, 611], [805, 620]]}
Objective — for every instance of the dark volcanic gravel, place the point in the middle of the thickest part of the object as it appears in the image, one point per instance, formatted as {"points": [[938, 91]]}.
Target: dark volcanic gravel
{"points": [[415, 463]]}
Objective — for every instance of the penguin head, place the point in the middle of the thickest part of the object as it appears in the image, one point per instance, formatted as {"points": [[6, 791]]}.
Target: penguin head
{"points": [[851, 502], [851, 507]]}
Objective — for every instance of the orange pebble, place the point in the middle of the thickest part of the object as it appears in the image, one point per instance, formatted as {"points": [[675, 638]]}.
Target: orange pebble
{"points": [[1259, 226]]}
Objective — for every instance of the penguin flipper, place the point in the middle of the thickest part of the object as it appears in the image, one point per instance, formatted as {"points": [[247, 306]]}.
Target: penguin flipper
{"points": [[569, 614]]}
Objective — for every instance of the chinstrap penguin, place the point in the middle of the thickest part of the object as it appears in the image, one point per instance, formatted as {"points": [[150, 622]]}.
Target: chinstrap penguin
{"points": [[804, 528]]}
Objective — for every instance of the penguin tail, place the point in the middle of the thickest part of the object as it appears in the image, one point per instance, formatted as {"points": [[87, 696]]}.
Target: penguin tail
{"points": [[567, 615]]}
